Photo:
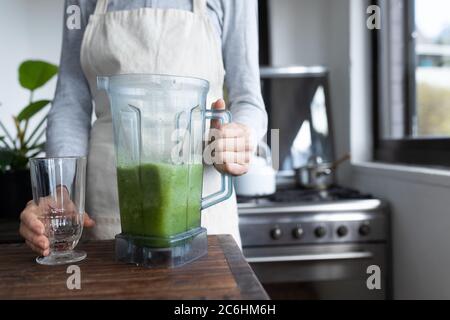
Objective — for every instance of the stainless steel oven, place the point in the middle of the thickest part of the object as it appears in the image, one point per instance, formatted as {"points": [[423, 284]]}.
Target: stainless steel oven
{"points": [[318, 250], [320, 272]]}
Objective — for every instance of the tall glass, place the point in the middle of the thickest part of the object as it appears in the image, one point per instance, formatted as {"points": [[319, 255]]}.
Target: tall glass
{"points": [[58, 186]]}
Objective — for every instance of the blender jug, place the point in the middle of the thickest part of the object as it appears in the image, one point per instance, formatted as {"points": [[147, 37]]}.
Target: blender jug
{"points": [[159, 125]]}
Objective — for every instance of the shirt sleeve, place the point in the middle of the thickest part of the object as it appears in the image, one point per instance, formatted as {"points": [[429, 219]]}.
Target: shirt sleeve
{"points": [[240, 43], [69, 119]]}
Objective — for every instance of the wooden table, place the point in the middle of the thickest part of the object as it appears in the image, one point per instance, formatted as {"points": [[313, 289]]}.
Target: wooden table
{"points": [[222, 274]]}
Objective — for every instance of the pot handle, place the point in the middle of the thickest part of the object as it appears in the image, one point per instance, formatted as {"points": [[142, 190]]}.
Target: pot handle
{"points": [[226, 189]]}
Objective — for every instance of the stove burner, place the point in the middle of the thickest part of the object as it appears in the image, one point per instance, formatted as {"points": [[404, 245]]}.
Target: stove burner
{"points": [[307, 195]]}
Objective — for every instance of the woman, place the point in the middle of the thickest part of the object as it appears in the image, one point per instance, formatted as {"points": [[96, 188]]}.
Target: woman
{"points": [[198, 38]]}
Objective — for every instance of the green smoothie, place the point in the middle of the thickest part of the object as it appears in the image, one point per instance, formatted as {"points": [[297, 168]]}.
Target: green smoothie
{"points": [[160, 200]]}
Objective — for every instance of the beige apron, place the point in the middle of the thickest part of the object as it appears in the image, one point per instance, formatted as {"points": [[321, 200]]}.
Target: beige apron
{"points": [[157, 41]]}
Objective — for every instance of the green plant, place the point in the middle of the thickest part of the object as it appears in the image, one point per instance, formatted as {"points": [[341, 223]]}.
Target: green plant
{"points": [[16, 150]]}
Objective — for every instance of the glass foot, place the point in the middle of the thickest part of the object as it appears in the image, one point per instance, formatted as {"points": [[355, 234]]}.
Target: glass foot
{"points": [[55, 259]]}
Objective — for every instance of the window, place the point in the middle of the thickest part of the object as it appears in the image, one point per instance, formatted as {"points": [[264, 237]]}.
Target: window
{"points": [[412, 67], [432, 49]]}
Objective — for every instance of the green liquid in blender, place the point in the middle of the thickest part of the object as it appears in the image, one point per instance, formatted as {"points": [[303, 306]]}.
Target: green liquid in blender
{"points": [[160, 200]]}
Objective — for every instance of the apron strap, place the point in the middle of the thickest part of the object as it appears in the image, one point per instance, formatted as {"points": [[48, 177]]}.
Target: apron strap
{"points": [[102, 7], [200, 7]]}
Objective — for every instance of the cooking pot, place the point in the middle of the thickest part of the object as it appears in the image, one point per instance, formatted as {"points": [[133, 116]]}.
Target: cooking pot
{"points": [[318, 175]]}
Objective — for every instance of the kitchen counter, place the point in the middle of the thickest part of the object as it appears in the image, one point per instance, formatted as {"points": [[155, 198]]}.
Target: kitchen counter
{"points": [[222, 274]]}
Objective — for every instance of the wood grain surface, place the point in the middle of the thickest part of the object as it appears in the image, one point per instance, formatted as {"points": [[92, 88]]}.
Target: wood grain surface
{"points": [[222, 274]]}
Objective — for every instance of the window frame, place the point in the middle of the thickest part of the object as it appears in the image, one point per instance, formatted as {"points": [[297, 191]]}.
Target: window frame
{"points": [[432, 152], [264, 33]]}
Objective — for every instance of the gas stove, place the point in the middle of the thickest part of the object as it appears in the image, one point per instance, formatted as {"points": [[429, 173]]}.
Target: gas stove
{"points": [[303, 216], [301, 195], [305, 244]]}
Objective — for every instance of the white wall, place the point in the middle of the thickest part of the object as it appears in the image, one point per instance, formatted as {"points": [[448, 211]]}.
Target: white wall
{"points": [[299, 32], [28, 30], [420, 204], [316, 32]]}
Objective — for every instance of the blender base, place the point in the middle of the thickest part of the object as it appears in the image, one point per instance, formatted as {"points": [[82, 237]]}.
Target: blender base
{"points": [[179, 251]]}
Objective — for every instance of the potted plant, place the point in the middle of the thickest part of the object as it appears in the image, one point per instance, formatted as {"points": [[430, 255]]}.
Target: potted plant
{"points": [[25, 143]]}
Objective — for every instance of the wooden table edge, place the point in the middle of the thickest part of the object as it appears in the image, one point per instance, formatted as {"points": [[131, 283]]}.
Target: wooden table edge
{"points": [[248, 283]]}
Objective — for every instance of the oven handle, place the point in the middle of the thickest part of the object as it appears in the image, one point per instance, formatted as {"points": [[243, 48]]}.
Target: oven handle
{"points": [[313, 257]]}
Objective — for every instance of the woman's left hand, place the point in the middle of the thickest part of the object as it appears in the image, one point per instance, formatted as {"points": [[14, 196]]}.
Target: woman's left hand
{"points": [[232, 145]]}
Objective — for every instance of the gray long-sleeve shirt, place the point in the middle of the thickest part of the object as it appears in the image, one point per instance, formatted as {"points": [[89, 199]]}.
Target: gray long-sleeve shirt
{"points": [[235, 23]]}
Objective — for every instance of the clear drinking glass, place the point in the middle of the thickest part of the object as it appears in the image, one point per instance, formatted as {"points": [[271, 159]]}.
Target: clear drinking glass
{"points": [[58, 186]]}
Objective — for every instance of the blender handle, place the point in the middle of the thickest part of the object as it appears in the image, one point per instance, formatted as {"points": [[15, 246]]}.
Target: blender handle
{"points": [[103, 83], [227, 181]]}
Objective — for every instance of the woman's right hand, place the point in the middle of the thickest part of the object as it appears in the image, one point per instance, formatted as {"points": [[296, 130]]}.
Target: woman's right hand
{"points": [[33, 230]]}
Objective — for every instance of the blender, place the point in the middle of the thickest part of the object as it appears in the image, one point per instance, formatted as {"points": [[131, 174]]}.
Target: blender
{"points": [[160, 125]]}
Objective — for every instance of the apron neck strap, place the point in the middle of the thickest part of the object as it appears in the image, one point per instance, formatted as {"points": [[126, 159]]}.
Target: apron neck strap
{"points": [[200, 7], [102, 7]]}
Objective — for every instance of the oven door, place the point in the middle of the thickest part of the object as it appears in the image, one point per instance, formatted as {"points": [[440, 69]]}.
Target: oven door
{"points": [[320, 272]]}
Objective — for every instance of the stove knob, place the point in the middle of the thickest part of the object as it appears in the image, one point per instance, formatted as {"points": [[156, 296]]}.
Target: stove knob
{"points": [[276, 233], [364, 230], [297, 233], [342, 231], [320, 232]]}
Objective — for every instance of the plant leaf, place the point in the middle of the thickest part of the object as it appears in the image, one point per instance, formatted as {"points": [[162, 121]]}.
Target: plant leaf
{"points": [[36, 153], [8, 135], [38, 137], [40, 146], [34, 74], [33, 108], [3, 141], [35, 130]]}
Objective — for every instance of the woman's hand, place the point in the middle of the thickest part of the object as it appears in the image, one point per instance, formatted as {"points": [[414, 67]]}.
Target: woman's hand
{"points": [[33, 230], [232, 145]]}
